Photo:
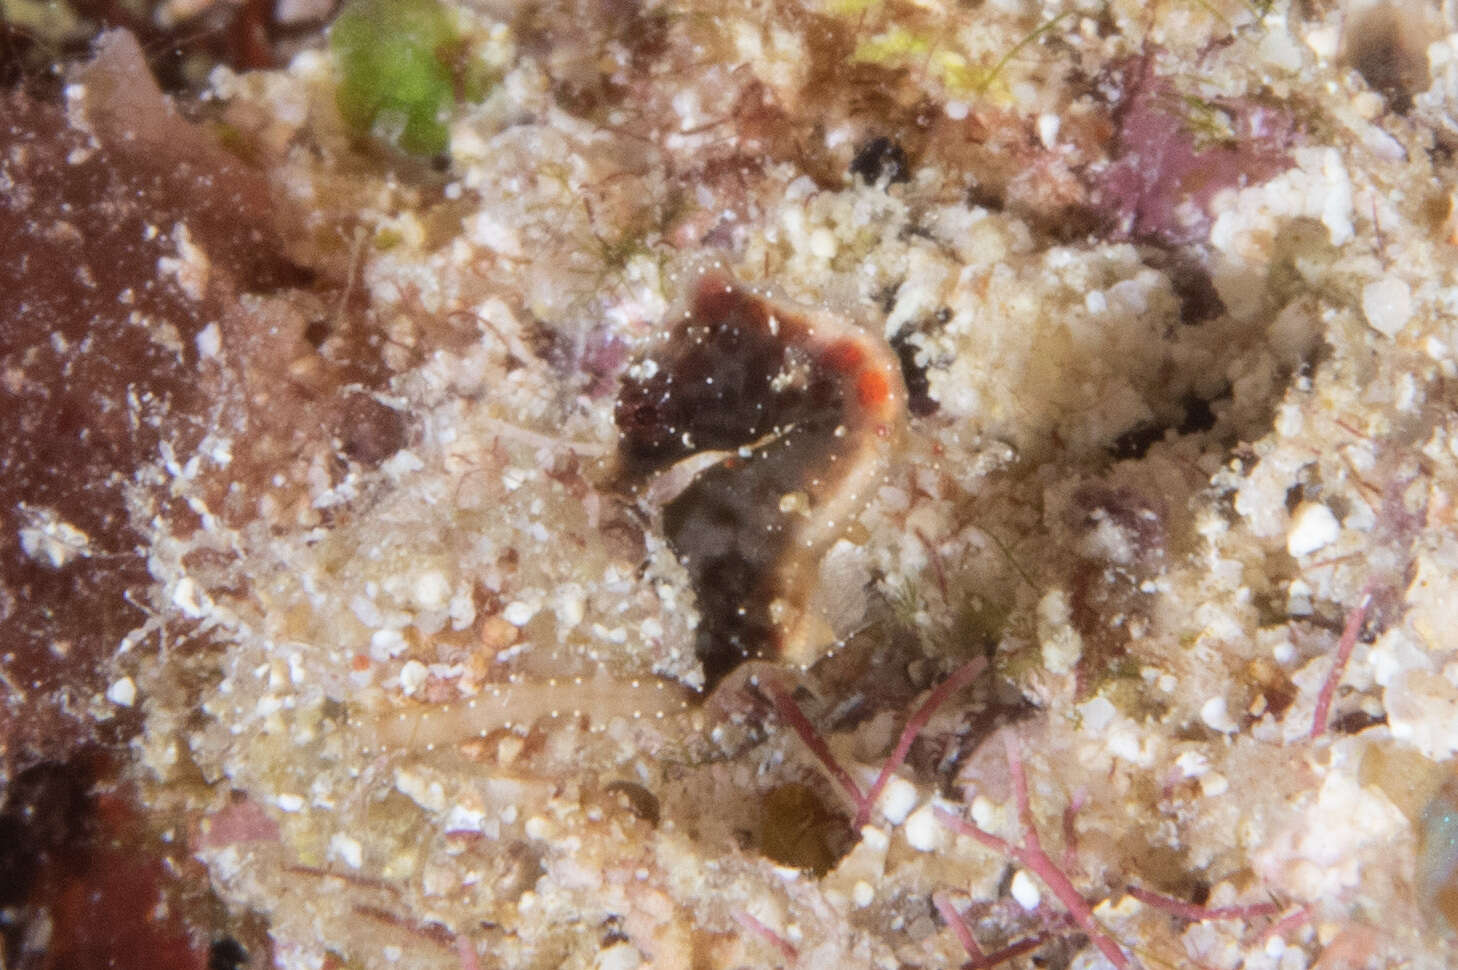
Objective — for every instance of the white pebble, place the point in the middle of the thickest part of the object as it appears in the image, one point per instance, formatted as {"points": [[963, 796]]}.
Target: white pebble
{"points": [[1048, 125], [1387, 305], [897, 800], [347, 850], [432, 590], [862, 893], [463, 819], [1192, 764], [289, 802], [571, 606], [1312, 527], [1097, 714], [620, 956], [209, 341], [1368, 104], [1025, 891], [123, 692], [1298, 599], [386, 643], [518, 613], [1216, 717], [412, 676], [1289, 420], [189, 597], [823, 244], [985, 813], [1325, 42], [923, 831]]}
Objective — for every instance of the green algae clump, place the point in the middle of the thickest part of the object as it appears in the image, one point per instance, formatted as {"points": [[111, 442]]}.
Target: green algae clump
{"points": [[395, 77]]}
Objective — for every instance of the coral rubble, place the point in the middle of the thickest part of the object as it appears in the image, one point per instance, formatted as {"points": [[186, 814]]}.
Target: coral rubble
{"points": [[863, 483]]}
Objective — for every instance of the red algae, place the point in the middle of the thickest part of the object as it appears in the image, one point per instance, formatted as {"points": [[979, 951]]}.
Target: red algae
{"points": [[85, 387], [79, 860], [134, 238], [125, 241], [1173, 155]]}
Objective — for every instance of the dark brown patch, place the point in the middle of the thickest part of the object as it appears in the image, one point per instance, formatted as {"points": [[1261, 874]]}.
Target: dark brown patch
{"points": [[881, 158], [640, 801], [1388, 47], [80, 871], [918, 388], [368, 431], [798, 829]]}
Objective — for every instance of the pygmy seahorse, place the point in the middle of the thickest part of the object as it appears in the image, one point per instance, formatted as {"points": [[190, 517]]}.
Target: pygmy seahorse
{"points": [[777, 422]]}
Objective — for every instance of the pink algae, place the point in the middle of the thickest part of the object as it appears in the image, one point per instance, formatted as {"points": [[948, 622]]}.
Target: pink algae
{"points": [[1174, 153]]}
